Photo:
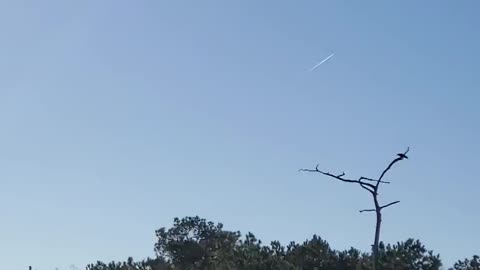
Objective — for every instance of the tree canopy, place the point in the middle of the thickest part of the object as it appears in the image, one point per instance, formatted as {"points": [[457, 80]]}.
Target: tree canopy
{"points": [[193, 243]]}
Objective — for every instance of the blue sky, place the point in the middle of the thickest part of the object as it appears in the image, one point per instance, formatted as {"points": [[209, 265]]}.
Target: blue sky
{"points": [[118, 116]]}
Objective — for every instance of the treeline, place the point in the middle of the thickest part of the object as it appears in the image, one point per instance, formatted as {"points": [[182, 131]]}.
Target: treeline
{"points": [[195, 244]]}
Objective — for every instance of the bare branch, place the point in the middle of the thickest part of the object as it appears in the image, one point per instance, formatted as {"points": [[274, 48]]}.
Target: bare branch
{"points": [[371, 190], [341, 178], [367, 210], [387, 205], [401, 156], [372, 180]]}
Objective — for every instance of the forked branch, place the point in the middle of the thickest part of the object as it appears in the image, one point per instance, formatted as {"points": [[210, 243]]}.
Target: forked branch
{"points": [[342, 178], [380, 208]]}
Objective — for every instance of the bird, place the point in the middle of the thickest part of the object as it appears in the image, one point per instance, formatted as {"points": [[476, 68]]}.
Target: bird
{"points": [[402, 156]]}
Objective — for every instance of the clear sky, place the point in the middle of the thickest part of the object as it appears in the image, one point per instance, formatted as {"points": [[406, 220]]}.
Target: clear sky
{"points": [[117, 116]]}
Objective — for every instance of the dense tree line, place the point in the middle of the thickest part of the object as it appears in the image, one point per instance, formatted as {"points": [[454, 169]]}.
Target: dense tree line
{"points": [[193, 243]]}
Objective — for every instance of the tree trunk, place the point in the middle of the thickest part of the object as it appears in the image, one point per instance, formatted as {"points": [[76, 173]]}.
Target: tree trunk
{"points": [[377, 238]]}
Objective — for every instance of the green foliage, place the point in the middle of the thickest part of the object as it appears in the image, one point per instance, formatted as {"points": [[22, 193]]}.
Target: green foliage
{"points": [[353, 259], [468, 264], [148, 264], [312, 254], [408, 255], [193, 243]]}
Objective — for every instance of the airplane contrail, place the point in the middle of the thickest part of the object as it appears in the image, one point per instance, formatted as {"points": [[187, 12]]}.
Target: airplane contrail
{"points": [[323, 61]]}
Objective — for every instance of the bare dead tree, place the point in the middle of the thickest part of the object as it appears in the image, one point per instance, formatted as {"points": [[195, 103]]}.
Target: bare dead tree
{"points": [[371, 185]]}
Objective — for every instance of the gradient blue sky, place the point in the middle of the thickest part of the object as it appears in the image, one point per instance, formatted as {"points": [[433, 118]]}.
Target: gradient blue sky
{"points": [[118, 116]]}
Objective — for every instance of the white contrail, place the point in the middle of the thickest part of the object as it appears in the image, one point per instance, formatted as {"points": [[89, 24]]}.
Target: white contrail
{"points": [[323, 61]]}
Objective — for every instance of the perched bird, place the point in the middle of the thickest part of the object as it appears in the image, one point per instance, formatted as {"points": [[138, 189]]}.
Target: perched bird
{"points": [[402, 156]]}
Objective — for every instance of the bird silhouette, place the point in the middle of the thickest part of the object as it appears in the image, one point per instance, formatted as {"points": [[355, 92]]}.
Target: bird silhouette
{"points": [[402, 156]]}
